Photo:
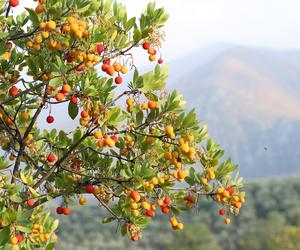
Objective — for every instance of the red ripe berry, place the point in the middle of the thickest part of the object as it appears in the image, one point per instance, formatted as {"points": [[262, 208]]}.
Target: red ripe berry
{"points": [[30, 202], [165, 210], [66, 211], [51, 158], [167, 200], [69, 59], [160, 61], [65, 93], [114, 138], [107, 62], [104, 67], [149, 213], [230, 190], [50, 119], [146, 45], [100, 48], [190, 198], [79, 68], [59, 210], [222, 212], [118, 80], [19, 237], [13, 3], [74, 100], [90, 189]]}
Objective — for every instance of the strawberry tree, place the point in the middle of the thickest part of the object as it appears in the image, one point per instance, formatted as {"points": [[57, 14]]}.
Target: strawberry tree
{"points": [[133, 147]]}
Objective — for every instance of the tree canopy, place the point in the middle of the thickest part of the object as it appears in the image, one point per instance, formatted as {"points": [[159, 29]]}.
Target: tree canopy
{"points": [[134, 150]]}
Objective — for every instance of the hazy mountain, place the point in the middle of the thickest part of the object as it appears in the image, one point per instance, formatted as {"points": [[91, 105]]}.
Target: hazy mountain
{"points": [[250, 100]]}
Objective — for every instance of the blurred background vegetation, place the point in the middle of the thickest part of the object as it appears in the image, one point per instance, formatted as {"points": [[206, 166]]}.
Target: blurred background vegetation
{"points": [[269, 220]]}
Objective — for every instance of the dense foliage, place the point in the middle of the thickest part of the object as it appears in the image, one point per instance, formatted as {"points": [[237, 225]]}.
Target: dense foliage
{"points": [[270, 220], [130, 149]]}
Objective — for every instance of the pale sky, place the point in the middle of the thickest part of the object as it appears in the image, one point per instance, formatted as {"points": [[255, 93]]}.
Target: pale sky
{"points": [[196, 23]]}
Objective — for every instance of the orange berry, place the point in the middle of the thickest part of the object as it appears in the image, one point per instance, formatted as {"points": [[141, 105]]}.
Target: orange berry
{"points": [[152, 105], [14, 91], [59, 97], [84, 114], [30, 202], [152, 58], [117, 67], [135, 195], [66, 88], [110, 70]]}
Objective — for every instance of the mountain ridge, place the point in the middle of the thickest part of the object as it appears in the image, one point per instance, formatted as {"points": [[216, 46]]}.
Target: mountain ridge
{"points": [[245, 94]]}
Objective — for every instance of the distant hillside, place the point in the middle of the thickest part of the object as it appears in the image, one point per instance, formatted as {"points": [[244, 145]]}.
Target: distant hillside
{"points": [[250, 100]]}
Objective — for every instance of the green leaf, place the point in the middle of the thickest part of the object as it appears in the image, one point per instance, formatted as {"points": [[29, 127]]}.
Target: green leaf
{"points": [[189, 180], [124, 229], [108, 219], [139, 117], [155, 80], [54, 225], [147, 172], [50, 246], [33, 17], [16, 198], [137, 35], [4, 163], [73, 110], [4, 235], [175, 211], [24, 229], [77, 135], [130, 23]]}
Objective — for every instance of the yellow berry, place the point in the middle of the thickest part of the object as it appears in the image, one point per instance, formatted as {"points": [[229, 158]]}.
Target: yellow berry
{"points": [[98, 135], [82, 201], [135, 212], [45, 34], [154, 181], [134, 205], [51, 25], [227, 220], [169, 130], [145, 205], [184, 148], [124, 69], [161, 181], [13, 240], [152, 58], [129, 101], [6, 56], [179, 226], [43, 25]]}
